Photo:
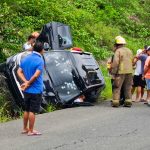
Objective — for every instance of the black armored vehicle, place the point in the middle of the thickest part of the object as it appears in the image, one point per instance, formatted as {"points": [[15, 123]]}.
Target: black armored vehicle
{"points": [[67, 73]]}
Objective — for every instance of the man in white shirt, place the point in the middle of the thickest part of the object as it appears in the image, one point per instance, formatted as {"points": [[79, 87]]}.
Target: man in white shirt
{"points": [[138, 81], [29, 44]]}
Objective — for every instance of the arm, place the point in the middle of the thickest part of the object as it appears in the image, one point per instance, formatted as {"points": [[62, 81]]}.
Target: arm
{"points": [[146, 66], [34, 77], [115, 63], [37, 73], [39, 70], [21, 75], [27, 83], [135, 59], [145, 69]]}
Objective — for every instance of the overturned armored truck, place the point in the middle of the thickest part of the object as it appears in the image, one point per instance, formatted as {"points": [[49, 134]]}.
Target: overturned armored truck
{"points": [[67, 74]]}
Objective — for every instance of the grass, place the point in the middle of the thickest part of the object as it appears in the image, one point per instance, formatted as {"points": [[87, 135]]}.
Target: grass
{"points": [[107, 92], [5, 113], [50, 108], [8, 112]]}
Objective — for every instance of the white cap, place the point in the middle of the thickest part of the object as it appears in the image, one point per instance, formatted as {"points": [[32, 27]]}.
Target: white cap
{"points": [[138, 51]]}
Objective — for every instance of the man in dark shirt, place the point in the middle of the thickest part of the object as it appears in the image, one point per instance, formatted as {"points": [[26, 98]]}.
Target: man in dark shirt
{"points": [[30, 72]]}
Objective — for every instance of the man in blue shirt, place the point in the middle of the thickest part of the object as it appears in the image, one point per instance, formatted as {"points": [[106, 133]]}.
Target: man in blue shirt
{"points": [[30, 72]]}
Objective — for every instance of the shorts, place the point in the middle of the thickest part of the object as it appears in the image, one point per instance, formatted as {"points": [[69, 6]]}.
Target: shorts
{"points": [[32, 102], [137, 81], [148, 84]]}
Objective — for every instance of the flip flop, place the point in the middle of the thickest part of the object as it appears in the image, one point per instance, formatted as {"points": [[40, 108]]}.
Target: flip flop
{"points": [[34, 133], [142, 100], [24, 132]]}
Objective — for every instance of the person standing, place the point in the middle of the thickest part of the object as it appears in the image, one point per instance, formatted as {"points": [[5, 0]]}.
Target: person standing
{"points": [[122, 71], [138, 81], [147, 74], [29, 44], [109, 67], [141, 57], [30, 72]]}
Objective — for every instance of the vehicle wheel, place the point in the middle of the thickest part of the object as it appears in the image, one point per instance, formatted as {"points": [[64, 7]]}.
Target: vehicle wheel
{"points": [[93, 96]]}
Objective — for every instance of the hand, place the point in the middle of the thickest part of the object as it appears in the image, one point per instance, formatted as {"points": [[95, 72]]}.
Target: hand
{"points": [[24, 86], [142, 77], [33, 44]]}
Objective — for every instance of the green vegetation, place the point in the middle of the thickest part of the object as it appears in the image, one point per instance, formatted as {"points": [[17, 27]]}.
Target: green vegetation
{"points": [[107, 93], [94, 24], [6, 103], [51, 108]]}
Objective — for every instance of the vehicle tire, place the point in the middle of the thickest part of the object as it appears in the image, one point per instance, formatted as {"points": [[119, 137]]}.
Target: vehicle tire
{"points": [[93, 96]]}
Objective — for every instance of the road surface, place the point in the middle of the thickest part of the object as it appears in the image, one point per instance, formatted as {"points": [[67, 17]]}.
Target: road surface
{"points": [[99, 127]]}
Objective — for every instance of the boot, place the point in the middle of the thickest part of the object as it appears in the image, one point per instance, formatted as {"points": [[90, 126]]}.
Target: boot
{"points": [[128, 103], [115, 103]]}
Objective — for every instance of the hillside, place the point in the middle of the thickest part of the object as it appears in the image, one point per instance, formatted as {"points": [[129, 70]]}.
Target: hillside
{"points": [[94, 23]]}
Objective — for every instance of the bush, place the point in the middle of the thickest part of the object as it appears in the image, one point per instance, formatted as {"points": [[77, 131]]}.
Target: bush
{"points": [[94, 23]]}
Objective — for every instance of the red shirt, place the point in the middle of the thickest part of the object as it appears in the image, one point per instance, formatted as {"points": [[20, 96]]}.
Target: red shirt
{"points": [[147, 64]]}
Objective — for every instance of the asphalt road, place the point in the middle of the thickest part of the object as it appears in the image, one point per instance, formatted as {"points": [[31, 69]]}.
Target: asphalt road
{"points": [[99, 127]]}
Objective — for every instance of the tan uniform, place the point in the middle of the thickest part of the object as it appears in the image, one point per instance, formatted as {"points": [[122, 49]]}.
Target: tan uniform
{"points": [[122, 61], [122, 71]]}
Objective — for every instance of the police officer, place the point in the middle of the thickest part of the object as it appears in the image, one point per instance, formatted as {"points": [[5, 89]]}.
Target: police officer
{"points": [[122, 71]]}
